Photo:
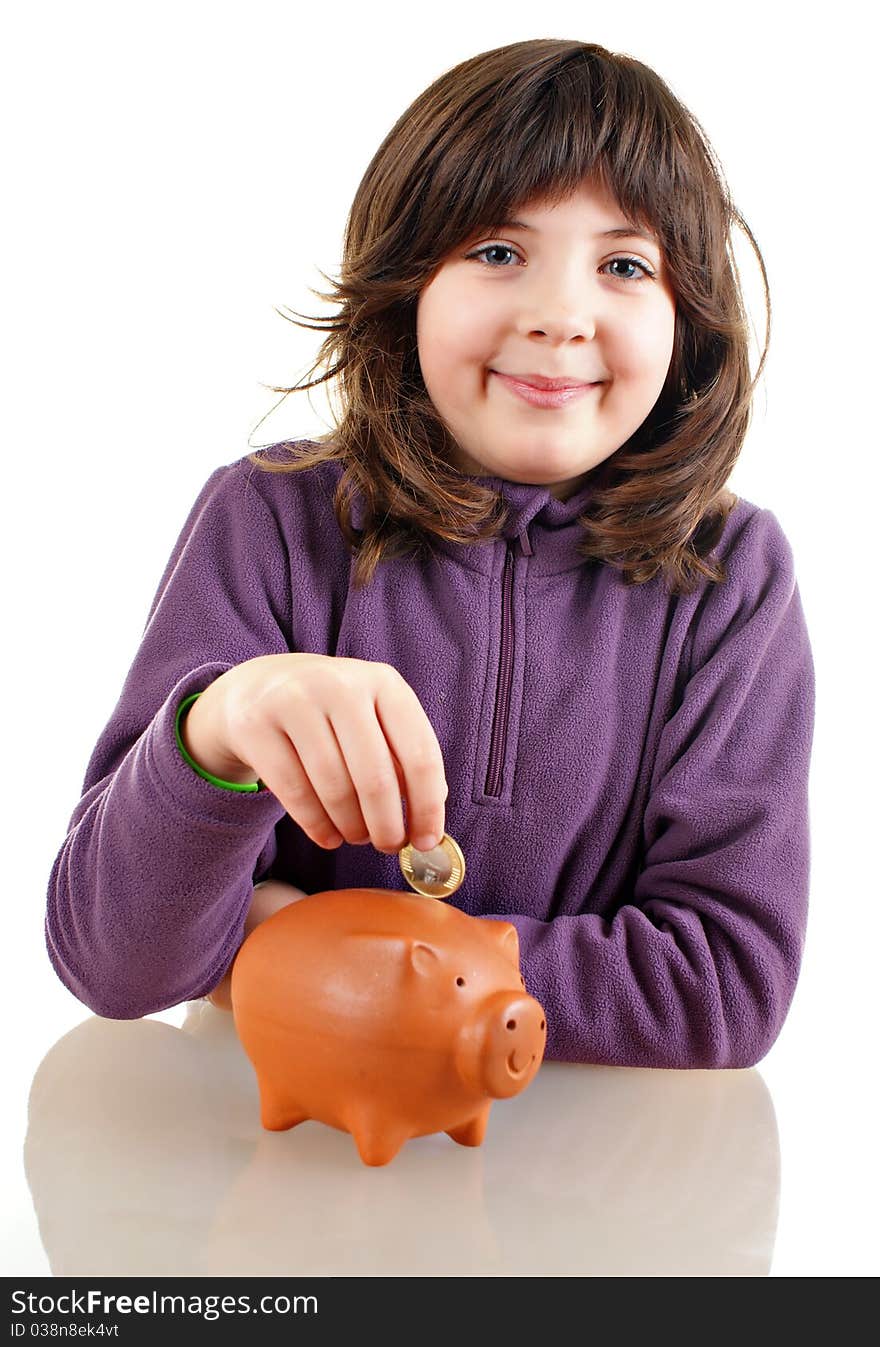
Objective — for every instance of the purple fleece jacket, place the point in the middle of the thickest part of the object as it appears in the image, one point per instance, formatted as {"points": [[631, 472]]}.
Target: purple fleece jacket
{"points": [[627, 770]]}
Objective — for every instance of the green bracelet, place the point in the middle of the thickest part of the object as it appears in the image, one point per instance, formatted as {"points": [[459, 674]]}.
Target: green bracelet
{"points": [[215, 780]]}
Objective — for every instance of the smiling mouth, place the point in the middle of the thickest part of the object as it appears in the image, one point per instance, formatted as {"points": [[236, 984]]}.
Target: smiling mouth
{"points": [[518, 1071], [545, 397], [550, 386]]}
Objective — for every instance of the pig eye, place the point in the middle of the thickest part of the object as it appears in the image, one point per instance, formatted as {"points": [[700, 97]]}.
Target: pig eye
{"points": [[459, 982]]}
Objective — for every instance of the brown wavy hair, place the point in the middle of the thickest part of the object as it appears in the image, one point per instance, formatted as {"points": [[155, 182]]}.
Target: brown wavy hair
{"points": [[563, 113]]}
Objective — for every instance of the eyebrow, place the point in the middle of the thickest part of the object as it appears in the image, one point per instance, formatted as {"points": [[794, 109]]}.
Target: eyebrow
{"points": [[622, 232]]}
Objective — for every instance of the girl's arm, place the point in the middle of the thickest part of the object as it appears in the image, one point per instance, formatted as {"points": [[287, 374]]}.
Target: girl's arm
{"points": [[148, 894], [697, 966]]}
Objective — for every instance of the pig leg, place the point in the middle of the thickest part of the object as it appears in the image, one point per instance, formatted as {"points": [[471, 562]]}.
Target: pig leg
{"points": [[472, 1133], [267, 898], [377, 1138], [277, 1114]]}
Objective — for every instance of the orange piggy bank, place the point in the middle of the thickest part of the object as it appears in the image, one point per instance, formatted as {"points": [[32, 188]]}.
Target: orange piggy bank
{"points": [[387, 1015]]}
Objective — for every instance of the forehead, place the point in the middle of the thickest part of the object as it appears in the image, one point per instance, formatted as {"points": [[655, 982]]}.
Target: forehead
{"points": [[590, 210]]}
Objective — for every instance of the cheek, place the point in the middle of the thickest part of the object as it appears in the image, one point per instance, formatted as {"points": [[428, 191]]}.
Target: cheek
{"points": [[448, 333], [645, 349]]}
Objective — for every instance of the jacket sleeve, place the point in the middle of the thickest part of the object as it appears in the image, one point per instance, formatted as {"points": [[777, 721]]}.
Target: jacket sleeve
{"points": [[148, 893], [698, 965]]}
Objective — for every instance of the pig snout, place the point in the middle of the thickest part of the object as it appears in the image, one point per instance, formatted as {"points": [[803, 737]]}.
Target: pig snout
{"points": [[503, 1046]]}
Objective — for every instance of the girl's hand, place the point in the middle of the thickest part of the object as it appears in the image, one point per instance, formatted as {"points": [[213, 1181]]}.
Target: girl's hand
{"points": [[267, 899], [337, 741]]}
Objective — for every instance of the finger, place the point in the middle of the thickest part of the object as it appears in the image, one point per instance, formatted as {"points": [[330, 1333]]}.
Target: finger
{"points": [[315, 741], [413, 742], [275, 758], [373, 770]]}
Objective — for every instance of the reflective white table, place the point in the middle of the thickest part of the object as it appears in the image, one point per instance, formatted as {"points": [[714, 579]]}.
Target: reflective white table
{"points": [[144, 1155]]}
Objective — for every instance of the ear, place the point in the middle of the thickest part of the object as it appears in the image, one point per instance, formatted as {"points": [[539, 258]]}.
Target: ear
{"points": [[424, 958], [414, 953], [506, 937]]}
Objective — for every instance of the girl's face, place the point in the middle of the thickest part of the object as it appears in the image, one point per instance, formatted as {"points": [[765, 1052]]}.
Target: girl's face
{"points": [[564, 299]]}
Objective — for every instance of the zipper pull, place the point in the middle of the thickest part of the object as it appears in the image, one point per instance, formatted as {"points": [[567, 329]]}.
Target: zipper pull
{"points": [[524, 545]]}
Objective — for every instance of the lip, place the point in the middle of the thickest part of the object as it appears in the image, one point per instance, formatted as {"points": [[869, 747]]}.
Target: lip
{"points": [[541, 381], [514, 1069], [545, 397]]}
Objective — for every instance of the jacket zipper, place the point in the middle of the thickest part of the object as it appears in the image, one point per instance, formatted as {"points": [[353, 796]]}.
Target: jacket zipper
{"points": [[501, 714]]}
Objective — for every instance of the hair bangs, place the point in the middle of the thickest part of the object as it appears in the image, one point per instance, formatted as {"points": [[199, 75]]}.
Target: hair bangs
{"points": [[532, 122]]}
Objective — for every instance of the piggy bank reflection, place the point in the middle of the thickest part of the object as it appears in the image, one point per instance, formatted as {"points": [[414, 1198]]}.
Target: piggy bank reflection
{"points": [[387, 1015]]}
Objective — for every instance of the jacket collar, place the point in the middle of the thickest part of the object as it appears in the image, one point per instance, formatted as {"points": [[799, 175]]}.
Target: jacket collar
{"points": [[528, 504], [538, 524]]}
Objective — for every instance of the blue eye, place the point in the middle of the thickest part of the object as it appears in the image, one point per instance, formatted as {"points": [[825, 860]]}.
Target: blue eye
{"points": [[491, 248], [647, 273], [631, 262]]}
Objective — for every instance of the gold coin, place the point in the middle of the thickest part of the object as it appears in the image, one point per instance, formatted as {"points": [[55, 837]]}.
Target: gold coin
{"points": [[436, 873]]}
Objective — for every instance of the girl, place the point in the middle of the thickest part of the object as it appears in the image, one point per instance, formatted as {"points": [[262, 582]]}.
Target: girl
{"points": [[535, 617]]}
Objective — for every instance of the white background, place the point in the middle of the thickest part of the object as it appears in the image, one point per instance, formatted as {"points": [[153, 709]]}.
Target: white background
{"points": [[173, 172]]}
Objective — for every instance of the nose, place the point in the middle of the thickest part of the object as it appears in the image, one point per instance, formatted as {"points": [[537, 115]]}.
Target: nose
{"points": [[560, 308], [518, 1036], [563, 327], [525, 1028]]}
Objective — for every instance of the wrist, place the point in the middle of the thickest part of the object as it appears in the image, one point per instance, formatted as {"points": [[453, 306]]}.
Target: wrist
{"points": [[199, 748]]}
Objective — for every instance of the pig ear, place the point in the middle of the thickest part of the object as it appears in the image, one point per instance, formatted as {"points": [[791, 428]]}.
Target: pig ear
{"points": [[421, 956], [507, 939], [424, 957]]}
